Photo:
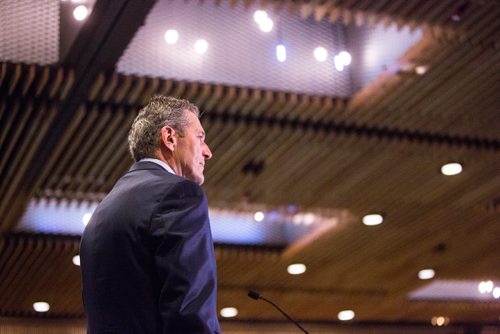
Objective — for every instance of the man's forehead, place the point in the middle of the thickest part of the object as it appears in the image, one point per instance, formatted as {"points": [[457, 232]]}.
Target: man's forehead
{"points": [[194, 121]]}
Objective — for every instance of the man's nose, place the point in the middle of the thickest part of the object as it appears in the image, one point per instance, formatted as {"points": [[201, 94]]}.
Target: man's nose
{"points": [[206, 152]]}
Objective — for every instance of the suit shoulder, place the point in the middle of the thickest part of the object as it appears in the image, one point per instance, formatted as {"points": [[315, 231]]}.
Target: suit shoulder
{"points": [[160, 182], [182, 187]]}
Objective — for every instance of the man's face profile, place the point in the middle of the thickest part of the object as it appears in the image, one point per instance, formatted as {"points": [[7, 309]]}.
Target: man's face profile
{"points": [[191, 150]]}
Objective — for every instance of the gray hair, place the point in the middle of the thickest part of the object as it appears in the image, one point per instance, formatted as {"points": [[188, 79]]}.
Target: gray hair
{"points": [[144, 137]]}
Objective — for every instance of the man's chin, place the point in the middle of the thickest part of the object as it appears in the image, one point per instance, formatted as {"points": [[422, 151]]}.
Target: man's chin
{"points": [[200, 181], [197, 179]]}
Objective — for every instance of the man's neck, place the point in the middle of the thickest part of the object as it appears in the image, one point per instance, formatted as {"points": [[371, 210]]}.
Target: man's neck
{"points": [[160, 162]]}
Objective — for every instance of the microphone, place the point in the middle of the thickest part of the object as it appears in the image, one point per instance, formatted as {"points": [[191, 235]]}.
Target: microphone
{"points": [[255, 295]]}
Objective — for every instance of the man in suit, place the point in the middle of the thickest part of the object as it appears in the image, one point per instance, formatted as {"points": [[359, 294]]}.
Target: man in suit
{"points": [[147, 255]]}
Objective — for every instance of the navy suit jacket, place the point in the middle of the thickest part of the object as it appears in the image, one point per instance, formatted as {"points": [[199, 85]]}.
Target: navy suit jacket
{"points": [[147, 257]]}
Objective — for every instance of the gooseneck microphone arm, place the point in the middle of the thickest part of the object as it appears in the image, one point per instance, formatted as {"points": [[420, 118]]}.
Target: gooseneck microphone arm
{"points": [[255, 295]]}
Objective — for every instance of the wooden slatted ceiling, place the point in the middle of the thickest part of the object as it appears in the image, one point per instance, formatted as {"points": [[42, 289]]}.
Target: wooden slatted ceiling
{"points": [[354, 275], [100, 130], [378, 151], [427, 102], [446, 20], [24, 120], [38, 268]]}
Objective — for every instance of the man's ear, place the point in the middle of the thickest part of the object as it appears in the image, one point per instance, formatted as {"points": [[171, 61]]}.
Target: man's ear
{"points": [[168, 137]]}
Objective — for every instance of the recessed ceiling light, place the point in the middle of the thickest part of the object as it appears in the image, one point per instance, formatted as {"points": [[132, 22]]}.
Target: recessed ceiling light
{"points": [[259, 16], [446, 290], [346, 315], [201, 46], [420, 70], [338, 63], [86, 218], [496, 292], [426, 274], [171, 36], [281, 53], [229, 312], [296, 269], [76, 260], [345, 57], [452, 168], [320, 53], [485, 287], [258, 216], [41, 306], [440, 321], [266, 25], [80, 13], [307, 218], [373, 219]]}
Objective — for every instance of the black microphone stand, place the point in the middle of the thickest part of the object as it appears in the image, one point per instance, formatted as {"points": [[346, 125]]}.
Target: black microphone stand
{"points": [[255, 295]]}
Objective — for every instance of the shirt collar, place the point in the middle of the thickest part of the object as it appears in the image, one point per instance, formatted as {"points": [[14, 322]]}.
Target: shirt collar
{"points": [[161, 163]]}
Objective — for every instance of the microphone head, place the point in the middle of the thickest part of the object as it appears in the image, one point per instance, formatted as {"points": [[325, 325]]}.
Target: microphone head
{"points": [[253, 294]]}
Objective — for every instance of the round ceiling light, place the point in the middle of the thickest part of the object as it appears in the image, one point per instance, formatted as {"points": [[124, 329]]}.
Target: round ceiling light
{"points": [[171, 36], [440, 321], [201, 46], [229, 312], [86, 218], [80, 13], [346, 315], [373, 219], [452, 168], [296, 269], [258, 216], [426, 274], [41, 306], [320, 54], [76, 260]]}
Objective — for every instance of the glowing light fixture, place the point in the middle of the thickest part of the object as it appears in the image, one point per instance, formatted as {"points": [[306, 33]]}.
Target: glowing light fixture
{"points": [[420, 70], [485, 287], [41, 306], [309, 218], [338, 64], [201, 46], [426, 274], [171, 36], [229, 312], [341, 60], [76, 260], [373, 219], [346, 315], [86, 218], [258, 216], [320, 54], [281, 53], [452, 168], [345, 57], [456, 17], [266, 25], [296, 269], [80, 13], [440, 321], [496, 292], [260, 16]]}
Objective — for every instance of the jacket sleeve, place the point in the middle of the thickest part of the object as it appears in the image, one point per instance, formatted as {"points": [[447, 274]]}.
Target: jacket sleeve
{"points": [[185, 269]]}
